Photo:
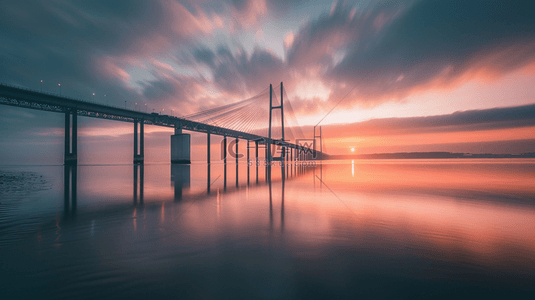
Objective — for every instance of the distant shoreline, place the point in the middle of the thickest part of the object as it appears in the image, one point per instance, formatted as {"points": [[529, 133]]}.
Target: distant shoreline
{"points": [[427, 155]]}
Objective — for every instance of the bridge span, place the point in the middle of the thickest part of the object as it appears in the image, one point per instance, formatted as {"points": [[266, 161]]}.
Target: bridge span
{"points": [[180, 142]]}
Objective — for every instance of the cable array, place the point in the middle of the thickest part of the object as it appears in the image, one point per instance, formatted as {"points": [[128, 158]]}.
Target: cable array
{"points": [[252, 116]]}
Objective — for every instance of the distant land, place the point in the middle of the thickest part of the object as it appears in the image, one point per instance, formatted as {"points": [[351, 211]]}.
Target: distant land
{"points": [[420, 155]]}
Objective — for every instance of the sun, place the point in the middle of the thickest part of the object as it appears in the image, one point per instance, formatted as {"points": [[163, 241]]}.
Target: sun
{"points": [[352, 149]]}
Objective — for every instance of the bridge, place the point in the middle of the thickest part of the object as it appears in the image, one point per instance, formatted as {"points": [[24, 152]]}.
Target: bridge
{"points": [[244, 120]]}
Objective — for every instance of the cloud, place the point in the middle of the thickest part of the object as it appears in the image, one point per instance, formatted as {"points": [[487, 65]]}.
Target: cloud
{"points": [[248, 13], [394, 49], [238, 73]]}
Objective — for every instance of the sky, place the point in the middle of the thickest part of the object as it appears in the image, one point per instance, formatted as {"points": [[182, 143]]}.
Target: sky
{"points": [[399, 76]]}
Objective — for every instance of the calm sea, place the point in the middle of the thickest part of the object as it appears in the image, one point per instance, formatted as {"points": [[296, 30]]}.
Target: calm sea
{"points": [[371, 229]]}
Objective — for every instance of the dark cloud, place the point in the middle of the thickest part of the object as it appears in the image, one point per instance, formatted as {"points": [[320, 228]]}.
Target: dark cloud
{"points": [[240, 73], [171, 93], [204, 55], [239, 4], [67, 42], [443, 39], [343, 28], [396, 47], [158, 89]]}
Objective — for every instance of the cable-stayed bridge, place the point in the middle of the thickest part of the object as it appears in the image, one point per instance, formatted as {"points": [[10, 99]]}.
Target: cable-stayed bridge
{"points": [[270, 125]]}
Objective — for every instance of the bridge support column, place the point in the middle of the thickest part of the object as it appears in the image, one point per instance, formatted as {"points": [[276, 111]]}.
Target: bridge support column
{"points": [[267, 163], [71, 139], [236, 154], [224, 152], [208, 148], [141, 141], [180, 147], [257, 162], [138, 142], [248, 163]]}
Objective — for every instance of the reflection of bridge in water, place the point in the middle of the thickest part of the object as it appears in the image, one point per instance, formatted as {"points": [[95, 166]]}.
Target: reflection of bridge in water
{"points": [[181, 180]]}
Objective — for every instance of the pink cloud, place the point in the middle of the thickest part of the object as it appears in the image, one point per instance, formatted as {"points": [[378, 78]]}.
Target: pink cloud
{"points": [[288, 40], [249, 13], [186, 24]]}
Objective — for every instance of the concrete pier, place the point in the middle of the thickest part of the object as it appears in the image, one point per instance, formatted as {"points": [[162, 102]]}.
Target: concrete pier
{"points": [[236, 153], [71, 138], [248, 163], [180, 147], [224, 153], [138, 142], [208, 148], [257, 162]]}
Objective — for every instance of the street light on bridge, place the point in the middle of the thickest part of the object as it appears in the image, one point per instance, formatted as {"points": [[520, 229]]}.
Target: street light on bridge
{"points": [[59, 84], [41, 85]]}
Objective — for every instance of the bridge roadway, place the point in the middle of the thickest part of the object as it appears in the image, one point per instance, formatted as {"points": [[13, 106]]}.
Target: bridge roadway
{"points": [[26, 98]]}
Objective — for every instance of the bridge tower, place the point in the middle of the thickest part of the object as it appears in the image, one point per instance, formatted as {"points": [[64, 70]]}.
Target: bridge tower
{"points": [[321, 144], [271, 108]]}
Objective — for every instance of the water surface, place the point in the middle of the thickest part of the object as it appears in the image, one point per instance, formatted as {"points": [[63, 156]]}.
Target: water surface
{"points": [[345, 229]]}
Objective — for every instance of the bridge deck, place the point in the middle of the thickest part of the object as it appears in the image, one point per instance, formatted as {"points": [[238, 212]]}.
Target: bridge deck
{"points": [[20, 97]]}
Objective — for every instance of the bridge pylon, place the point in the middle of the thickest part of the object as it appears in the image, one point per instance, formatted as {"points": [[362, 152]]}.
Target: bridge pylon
{"points": [[271, 108], [321, 144]]}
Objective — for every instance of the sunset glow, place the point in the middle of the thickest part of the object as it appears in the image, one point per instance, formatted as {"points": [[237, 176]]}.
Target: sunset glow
{"points": [[185, 66]]}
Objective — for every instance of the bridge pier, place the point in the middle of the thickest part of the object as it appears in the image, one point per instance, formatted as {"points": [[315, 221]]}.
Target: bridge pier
{"points": [[139, 147], [256, 159], [224, 153], [236, 154], [71, 138], [248, 164], [208, 148], [180, 147]]}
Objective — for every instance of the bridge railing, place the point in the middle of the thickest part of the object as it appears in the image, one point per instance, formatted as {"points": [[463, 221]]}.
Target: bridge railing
{"points": [[61, 96]]}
